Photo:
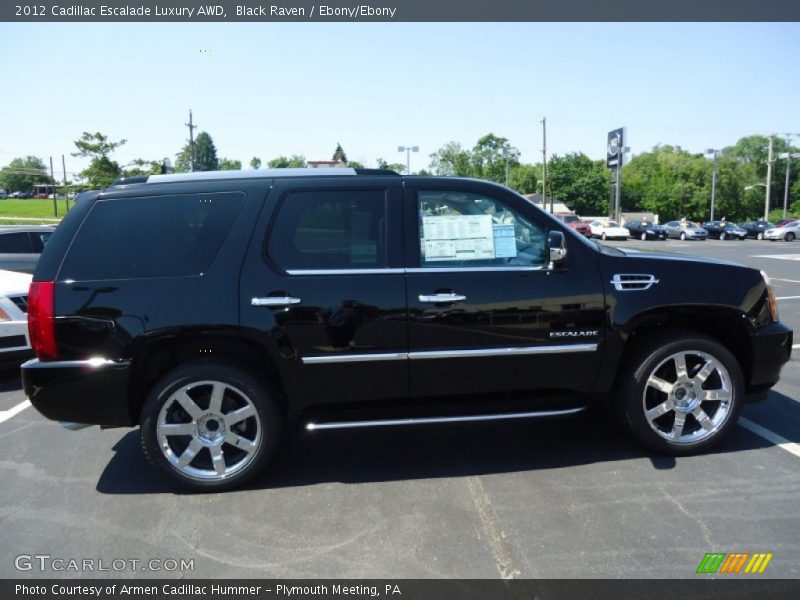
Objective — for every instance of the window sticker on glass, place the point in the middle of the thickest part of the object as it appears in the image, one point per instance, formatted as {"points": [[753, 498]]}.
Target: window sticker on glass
{"points": [[505, 243], [463, 237]]}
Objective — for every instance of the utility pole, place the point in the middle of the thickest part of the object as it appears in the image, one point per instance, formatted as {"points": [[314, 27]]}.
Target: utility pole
{"points": [[191, 127], [715, 152], [64, 170], [788, 155], [769, 177], [544, 164], [53, 179]]}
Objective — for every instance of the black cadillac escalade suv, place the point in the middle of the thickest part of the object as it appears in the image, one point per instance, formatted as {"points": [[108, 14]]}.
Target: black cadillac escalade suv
{"points": [[212, 308]]}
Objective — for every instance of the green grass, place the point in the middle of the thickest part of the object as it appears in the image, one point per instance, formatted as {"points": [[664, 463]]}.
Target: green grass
{"points": [[30, 209]]}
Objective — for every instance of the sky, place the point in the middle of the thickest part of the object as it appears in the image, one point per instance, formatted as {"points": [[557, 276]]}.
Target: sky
{"points": [[268, 89]]}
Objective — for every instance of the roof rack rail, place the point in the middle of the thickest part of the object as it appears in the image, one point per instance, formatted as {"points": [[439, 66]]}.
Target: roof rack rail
{"points": [[254, 174]]}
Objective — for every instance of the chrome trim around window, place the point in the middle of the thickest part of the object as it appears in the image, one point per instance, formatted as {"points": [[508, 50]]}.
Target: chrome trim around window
{"points": [[346, 271], [539, 414], [473, 269], [432, 354]]}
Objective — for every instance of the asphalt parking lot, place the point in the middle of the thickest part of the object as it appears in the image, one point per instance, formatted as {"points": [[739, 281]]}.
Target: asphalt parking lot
{"points": [[565, 499]]}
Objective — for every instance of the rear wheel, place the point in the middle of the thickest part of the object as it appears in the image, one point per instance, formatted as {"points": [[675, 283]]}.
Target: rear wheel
{"points": [[681, 394], [603, 236], [210, 426], [683, 235], [643, 237], [760, 235], [722, 236]]}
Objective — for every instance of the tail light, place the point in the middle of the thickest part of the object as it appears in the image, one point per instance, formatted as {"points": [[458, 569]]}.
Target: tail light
{"points": [[41, 319], [773, 304]]}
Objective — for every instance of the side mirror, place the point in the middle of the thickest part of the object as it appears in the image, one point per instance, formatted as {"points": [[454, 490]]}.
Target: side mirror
{"points": [[558, 246]]}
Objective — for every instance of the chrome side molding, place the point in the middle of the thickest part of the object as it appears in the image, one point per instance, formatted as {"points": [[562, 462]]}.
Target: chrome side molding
{"points": [[537, 414]]}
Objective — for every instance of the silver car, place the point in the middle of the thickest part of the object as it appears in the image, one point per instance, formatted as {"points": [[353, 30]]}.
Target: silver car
{"points": [[684, 230], [20, 247], [788, 232]]}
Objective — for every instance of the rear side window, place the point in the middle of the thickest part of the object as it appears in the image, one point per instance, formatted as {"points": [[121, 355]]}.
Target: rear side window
{"points": [[15, 243], [158, 236], [342, 229]]}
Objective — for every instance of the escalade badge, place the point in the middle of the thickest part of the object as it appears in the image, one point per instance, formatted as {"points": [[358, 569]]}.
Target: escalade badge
{"points": [[565, 334]]}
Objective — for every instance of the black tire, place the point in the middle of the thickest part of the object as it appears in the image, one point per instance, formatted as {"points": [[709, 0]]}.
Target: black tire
{"points": [[789, 237], [266, 421], [632, 393]]}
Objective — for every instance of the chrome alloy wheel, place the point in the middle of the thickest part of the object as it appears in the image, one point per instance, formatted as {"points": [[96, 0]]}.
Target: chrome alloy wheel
{"points": [[208, 430], [687, 397]]}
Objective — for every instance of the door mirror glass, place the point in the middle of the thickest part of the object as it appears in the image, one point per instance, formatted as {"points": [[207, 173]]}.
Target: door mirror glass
{"points": [[558, 246]]}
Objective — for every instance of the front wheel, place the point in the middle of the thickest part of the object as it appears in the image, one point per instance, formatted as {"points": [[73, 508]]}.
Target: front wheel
{"points": [[789, 237], [643, 237], [210, 426], [681, 394]]}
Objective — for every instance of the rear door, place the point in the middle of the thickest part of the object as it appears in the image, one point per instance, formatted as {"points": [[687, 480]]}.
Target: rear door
{"points": [[487, 314], [323, 285]]}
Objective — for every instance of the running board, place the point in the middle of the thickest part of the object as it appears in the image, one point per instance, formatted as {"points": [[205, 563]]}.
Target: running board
{"points": [[539, 414]]}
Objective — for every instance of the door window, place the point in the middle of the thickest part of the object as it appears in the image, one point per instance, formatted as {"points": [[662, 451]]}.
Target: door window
{"points": [[461, 229], [336, 229], [15, 243]]}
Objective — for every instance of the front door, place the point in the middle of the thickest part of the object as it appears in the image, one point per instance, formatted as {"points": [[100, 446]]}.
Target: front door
{"points": [[487, 313]]}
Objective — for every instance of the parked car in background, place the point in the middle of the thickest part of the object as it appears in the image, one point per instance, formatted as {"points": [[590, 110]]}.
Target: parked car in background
{"points": [[3, 194], [788, 232], [646, 230], [575, 223], [20, 247], [756, 229], [14, 342], [609, 230], [685, 230], [783, 222], [724, 230]]}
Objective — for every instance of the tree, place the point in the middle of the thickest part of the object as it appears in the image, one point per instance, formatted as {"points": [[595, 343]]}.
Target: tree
{"points": [[227, 164], [102, 171], [354, 164], [339, 153], [579, 182], [523, 178], [489, 158], [451, 160], [255, 163], [22, 173], [396, 167], [205, 155], [297, 161], [141, 167]]}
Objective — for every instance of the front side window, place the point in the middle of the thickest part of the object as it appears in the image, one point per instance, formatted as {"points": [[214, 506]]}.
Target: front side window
{"points": [[157, 236], [461, 229], [333, 229]]}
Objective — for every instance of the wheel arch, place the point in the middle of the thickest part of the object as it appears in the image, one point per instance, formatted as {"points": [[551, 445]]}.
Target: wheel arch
{"points": [[160, 354]]}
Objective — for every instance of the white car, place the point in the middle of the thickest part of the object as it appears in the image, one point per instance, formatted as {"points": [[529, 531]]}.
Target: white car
{"points": [[15, 345], [789, 232], [608, 230]]}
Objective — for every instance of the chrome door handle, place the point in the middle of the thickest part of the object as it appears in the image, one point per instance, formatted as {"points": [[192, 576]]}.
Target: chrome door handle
{"points": [[275, 301], [442, 298]]}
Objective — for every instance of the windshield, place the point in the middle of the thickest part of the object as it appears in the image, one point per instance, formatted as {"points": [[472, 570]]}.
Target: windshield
{"points": [[610, 224], [571, 219]]}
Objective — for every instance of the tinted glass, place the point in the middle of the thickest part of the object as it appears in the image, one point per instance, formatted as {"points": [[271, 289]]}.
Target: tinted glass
{"points": [[16, 243], [163, 236], [470, 230], [342, 229], [39, 240]]}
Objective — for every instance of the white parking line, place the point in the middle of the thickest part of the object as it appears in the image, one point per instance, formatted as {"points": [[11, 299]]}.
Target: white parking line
{"points": [[771, 436], [5, 415], [778, 256], [787, 297], [786, 280]]}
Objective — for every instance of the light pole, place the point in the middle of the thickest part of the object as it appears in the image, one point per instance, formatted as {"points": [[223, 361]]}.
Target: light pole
{"points": [[788, 156], [408, 150], [715, 154], [509, 151]]}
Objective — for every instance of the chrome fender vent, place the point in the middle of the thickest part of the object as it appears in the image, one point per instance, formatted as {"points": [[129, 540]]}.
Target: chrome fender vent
{"points": [[628, 282]]}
